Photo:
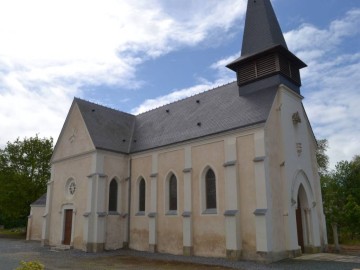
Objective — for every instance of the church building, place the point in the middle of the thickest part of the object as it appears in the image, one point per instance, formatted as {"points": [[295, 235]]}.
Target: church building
{"points": [[230, 172]]}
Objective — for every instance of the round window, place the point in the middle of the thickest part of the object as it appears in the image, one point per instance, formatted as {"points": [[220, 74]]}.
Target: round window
{"points": [[70, 188]]}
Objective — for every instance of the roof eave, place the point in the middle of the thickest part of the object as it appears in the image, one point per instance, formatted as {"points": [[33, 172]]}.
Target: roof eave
{"points": [[200, 137], [276, 48]]}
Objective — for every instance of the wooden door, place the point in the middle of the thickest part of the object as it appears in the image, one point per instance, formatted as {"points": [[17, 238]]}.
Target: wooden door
{"points": [[68, 227], [300, 232]]}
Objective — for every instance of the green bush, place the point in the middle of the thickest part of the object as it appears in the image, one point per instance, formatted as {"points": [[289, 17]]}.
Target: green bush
{"points": [[30, 266]]}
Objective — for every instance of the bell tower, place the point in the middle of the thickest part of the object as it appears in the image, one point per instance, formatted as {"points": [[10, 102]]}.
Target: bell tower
{"points": [[265, 59]]}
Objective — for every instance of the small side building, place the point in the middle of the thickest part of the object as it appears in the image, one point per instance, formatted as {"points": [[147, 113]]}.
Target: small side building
{"points": [[35, 219]]}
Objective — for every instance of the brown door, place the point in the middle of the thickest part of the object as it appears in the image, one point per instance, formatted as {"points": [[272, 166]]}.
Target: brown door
{"points": [[68, 227], [299, 227]]}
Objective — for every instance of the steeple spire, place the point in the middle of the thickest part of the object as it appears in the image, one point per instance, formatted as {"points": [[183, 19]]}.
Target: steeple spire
{"points": [[262, 29], [264, 54]]}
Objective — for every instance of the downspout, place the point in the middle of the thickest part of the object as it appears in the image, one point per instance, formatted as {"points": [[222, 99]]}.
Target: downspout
{"points": [[129, 204], [129, 187]]}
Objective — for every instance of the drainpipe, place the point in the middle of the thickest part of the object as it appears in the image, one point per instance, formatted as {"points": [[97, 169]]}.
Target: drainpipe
{"points": [[129, 204]]}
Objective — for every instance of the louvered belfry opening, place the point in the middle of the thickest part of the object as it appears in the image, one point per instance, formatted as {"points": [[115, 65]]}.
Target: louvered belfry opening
{"points": [[264, 54], [267, 65]]}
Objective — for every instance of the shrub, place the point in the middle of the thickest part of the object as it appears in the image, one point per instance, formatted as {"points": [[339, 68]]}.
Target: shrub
{"points": [[30, 266]]}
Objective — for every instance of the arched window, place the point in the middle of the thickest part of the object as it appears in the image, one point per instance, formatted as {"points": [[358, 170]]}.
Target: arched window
{"points": [[142, 189], [173, 193], [113, 194], [210, 189]]}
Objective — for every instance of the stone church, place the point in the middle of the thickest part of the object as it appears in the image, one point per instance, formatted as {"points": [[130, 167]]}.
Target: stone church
{"points": [[230, 172]]}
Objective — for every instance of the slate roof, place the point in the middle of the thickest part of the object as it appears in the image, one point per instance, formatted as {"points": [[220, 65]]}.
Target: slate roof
{"points": [[212, 112], [208, 113], [262, 33], [262, 29], [41, 201], [109, 129]]}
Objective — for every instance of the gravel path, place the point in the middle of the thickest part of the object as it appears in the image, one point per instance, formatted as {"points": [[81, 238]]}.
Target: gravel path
{"points": [[12, 251]]}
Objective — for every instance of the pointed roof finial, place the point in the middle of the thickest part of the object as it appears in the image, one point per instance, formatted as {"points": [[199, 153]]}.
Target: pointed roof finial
{"points": [[262, 30]]}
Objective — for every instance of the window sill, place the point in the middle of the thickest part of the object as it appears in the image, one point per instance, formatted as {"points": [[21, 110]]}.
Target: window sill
{"points": [[212, 211], [171, 213], [140, 213], [113, 213]]}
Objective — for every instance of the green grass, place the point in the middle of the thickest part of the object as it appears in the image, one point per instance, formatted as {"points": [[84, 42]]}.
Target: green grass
{"points": [[354, 242], [13, 233]]}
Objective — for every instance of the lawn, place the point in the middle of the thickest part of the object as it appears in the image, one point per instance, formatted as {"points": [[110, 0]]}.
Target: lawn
{"points": [[17, 233]]}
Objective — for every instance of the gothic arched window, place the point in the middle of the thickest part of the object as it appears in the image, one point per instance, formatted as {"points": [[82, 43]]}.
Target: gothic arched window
{"points": [[113, 195], [142, 190], [172, 193], [210, 189]]}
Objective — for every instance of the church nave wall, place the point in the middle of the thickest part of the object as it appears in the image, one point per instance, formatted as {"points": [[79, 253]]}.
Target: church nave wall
{"points": [[247, 189], [139, 224], [170, 222], [192, 228], [208, 226]]}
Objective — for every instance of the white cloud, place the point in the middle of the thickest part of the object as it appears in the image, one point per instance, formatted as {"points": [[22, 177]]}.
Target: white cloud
{"points": [[222, 71], [177, 95], [51, 49], [224, 76], [174, 96], [331, 83], [311, 43], [333, 106]]}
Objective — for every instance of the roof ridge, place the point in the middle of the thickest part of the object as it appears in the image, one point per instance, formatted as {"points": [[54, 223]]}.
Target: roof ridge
{"points": [[103, 106], [182, 99]]}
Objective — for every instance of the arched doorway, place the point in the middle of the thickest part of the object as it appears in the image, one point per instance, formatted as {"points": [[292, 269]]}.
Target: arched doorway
{"points": [[303, 223], [303, 219]]}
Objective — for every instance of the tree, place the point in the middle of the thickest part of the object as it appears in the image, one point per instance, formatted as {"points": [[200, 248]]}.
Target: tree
{"points": [[352, 217], [24, 172], [341, 196], [321, 156], [341, 193], [352, 183]]}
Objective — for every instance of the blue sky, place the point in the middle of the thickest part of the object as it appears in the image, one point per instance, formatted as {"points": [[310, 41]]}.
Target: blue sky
{"points": [[137, 55]]}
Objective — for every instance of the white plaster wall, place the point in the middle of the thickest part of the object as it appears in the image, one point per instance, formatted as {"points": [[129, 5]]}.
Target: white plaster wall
{"points": [[293, 162], [74, 138], [114, 232], [170, 227], [77, 169], [35, 223], [72, 158], [209, 229], [75, 157], [139, 225], [247, 198], [116, 166], [275, 155]]}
